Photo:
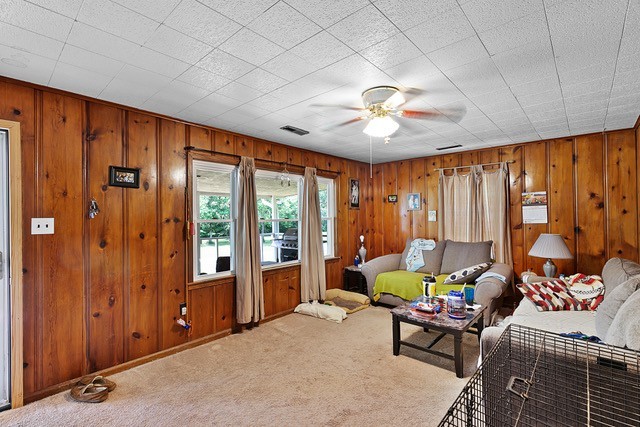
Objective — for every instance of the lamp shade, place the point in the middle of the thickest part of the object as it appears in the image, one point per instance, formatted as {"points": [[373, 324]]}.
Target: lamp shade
{"points": [[550, 246]]}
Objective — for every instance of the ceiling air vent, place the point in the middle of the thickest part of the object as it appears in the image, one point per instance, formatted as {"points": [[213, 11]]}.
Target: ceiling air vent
{"points": [[295, 130], [449, 147]]}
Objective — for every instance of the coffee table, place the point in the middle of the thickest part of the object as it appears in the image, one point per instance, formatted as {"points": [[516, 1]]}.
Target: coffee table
{"points": [[441, 323]]}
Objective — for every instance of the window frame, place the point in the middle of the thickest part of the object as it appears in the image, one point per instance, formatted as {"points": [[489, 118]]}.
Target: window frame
{"points": [[331, 215], [204, 165]]}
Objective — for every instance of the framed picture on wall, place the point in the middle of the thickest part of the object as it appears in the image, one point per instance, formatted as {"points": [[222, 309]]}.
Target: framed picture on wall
{"points": [[354, 193], [413, 202], [124, 177]]}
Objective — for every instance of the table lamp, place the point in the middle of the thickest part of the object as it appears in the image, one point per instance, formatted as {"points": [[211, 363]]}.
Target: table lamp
{"points": [[550, 246]]}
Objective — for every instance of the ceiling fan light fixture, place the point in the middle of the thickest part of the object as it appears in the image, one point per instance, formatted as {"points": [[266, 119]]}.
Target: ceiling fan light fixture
{"points": [[381, 127]]}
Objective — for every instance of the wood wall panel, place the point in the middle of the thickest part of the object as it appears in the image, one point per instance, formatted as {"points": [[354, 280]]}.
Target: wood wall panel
{"points": [[560, 198], [18, 104], [622, 191], [63, 276], [279, 153], [432, 177], [262, 150], [590, 203], [244, 146], [172, 231], [404, 216], [106, 248], [224, 302], [224, 143], [202, 303], [376, 245], [200, 138], [419, 185], [142, 235], [516, 187], [390, 211], [535, 179]]}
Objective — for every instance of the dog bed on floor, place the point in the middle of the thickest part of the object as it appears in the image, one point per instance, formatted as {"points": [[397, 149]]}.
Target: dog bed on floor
{"points": [[350, 302], [321, 311]]}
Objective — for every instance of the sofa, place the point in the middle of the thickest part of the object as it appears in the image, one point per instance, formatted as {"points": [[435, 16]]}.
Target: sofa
{"points": [[447, 257], [616, 320]]}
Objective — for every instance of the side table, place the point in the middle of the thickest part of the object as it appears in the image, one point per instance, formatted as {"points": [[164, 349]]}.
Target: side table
{"points": [[353, 280]]}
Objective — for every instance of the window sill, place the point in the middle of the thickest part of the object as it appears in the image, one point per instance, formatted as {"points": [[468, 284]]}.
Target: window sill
{"points": [[213, 277]]}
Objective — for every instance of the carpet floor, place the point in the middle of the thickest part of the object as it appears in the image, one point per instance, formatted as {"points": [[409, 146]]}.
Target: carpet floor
{"points": [[293, 370]]}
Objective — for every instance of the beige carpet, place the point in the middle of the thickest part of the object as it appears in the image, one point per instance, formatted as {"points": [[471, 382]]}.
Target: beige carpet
{"points": [[294, 370]]}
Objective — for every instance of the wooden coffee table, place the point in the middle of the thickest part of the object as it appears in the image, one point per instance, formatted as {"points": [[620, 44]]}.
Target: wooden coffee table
{"points": [[441, 323]]}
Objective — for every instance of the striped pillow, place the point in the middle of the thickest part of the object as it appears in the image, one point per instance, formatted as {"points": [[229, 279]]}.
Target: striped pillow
{"points": [[552, 296]]}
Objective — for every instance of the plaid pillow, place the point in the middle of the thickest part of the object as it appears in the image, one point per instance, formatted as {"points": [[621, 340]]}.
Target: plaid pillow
{"points": [[552, 296]]}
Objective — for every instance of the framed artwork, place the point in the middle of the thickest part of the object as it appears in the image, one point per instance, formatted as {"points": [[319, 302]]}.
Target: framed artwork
{"points": [[124, 177], [354, 193], [413, 202], [392, 198]]}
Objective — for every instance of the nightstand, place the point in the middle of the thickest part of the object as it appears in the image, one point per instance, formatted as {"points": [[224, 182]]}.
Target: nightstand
{"points": [[353, 280]]}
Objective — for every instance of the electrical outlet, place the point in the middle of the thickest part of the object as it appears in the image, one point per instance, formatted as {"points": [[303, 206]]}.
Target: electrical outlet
{"points": [[183, 309], [42, 225]]}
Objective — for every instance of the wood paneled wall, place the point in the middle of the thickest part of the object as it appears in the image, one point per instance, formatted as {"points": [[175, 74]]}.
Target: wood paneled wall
{"points": [[103, 291], [592, 187]]}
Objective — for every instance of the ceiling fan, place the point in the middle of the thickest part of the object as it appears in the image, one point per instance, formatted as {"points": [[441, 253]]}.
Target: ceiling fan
{"points": [[382, 104]]}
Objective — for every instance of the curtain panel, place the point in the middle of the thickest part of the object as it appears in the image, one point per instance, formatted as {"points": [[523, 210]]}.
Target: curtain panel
{"points": [[248, 269], [313, 285], [474, 207]]}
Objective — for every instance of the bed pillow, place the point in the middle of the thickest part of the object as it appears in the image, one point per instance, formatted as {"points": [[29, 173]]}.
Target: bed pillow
{"points": [[552, 296], [467, 274]]}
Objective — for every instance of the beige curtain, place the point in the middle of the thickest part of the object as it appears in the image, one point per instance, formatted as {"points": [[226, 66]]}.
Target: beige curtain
{"points": [[249, 290], [474, 207], [313, 285]]}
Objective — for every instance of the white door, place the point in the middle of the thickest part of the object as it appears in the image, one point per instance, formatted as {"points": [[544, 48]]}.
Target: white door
{"points": [[5, 320]]}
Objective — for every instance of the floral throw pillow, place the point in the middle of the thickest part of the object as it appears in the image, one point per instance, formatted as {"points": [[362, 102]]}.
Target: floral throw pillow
{"points": [[467, 274]]}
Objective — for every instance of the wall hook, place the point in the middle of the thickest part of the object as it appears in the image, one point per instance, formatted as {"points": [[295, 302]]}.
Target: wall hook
{"points": [[93, 208]]}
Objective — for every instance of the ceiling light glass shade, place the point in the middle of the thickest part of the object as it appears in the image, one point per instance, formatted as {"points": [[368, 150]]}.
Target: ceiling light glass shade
{"points": [[379, 127]]}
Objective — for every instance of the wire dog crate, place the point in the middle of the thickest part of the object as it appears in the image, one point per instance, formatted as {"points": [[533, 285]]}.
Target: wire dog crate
{"points": [[538, 378]]}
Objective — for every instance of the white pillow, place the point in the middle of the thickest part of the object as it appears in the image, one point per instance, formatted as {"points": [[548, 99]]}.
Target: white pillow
{"points": [[322, 311]]}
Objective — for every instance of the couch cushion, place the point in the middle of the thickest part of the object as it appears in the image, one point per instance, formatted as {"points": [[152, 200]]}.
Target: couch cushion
{"points": [[432, 258], [613, 300], [617, 271], [458, 255], [625, 328]]}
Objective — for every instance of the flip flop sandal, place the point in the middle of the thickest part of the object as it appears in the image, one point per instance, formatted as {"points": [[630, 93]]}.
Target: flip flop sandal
{"points": [[97, 380], [89, 393]]}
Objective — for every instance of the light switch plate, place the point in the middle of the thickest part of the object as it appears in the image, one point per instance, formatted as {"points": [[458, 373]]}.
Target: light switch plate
{"points": [[42, 226], [432, 216]]}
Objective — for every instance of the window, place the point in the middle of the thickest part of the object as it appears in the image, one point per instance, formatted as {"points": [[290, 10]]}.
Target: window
{"points": [[278, 216], [327, 213], [213, 201]]}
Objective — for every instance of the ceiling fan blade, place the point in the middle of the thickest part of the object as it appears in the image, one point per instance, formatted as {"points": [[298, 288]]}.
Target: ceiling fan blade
{"points": [[348, 122], [343, 107], [395, 100], [453, 114]]}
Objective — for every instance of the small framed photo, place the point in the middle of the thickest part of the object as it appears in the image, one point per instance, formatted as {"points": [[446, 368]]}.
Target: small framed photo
{"points": [[354, 193], [124, 177], [392, 198], [413, 202]]}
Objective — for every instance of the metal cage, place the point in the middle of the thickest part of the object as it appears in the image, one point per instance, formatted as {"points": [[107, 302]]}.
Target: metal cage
{"points": [[538, 378]]}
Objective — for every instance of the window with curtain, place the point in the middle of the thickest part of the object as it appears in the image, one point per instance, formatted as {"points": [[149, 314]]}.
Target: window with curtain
{"points": [[213, 201]]}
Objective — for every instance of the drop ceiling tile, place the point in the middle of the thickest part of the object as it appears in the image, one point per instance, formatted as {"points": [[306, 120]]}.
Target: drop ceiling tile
{"points": [[127, 92], [531, 29], [90, 61], [440, 31], [289, 66], [363, 28], [226, 65], [477, 78], [21, 39], [391, 52], [25, 66], [539, 98], [628, 63], [293, 92], [178, 95], [413, 73], [458, 53], [115, 19], [77, 80], [284, 25], [158, 10], [242, 11], [97, 41], [239, 91], [487, 14], [177, 45], [321, 50], [193, 116], [35, 18], [251, 47], [545, 106], [357, 71], [161, 107], [67, 8], [200, 22], [569, 91], [270, 103], [536, 86], [135, 75], [203, 79], [262, 80], [631, 100], [588, 98], [151, 60], [409, 13], [243, 114], [327, 12], [526, 64]]}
